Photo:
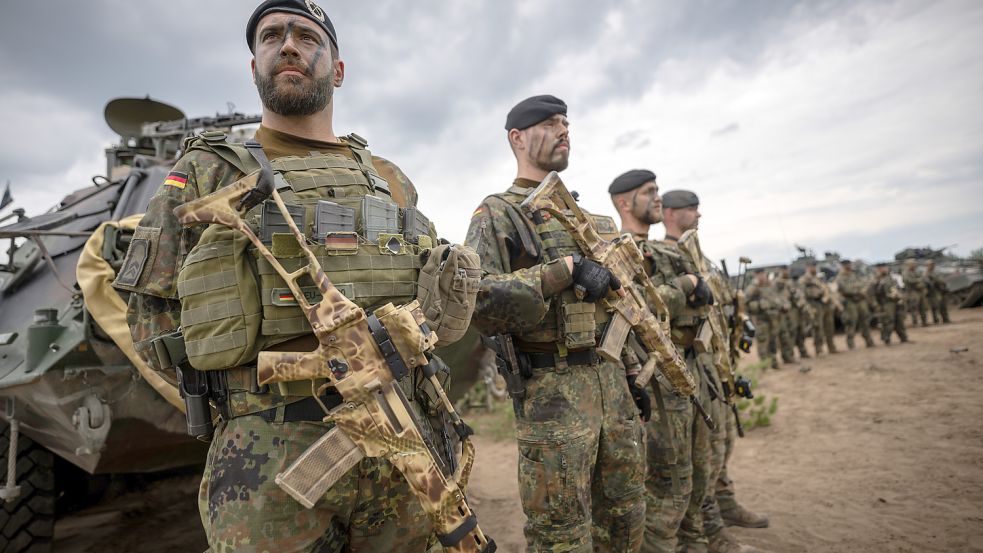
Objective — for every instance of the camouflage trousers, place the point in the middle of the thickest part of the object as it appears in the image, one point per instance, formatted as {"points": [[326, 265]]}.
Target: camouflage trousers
{"points": [[892, 320], [856, 318], [787, 323], [371, 509], [724, 488], [581, 461], [678, 452], [940, 309], [767, 334], [917, 306], [823, 326]]}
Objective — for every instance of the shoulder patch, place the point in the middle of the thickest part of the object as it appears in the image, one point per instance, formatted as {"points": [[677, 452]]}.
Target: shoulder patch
{"points": [[176, 179], [136, 259]]}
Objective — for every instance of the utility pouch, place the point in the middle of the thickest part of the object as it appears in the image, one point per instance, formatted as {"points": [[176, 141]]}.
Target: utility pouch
{"points": [[220, 305], [578, 325], [447, 288], [704, 338]]}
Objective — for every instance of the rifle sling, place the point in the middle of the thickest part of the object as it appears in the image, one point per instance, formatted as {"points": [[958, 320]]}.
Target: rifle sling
{"points": [[452, 539]]}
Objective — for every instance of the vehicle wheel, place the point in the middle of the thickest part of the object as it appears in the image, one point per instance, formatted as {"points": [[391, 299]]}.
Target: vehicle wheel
{"points": [[27, 523]]}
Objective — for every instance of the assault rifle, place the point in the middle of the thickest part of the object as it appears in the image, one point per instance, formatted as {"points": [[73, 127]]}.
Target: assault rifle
{"points": [[689, 244], [628, 307], [363, 357]]}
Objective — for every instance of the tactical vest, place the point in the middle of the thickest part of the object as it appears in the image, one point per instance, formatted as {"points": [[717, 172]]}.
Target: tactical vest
{"points": [[234, 304], [687, 317], [569, 322]]}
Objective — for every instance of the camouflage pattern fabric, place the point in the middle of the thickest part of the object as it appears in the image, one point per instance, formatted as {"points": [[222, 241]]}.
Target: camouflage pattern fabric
{"points": [[153, 309], [581, 443], [788, 320], [890, 306], [916, 295], [937, 296], [856, 312], [674, 516], [371, 509], [817, 294], [724, 487], [764, 305]]}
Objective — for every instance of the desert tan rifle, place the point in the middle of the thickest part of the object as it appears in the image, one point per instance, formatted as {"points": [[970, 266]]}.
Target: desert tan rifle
{"points": [[363, 357], [628, 307]]}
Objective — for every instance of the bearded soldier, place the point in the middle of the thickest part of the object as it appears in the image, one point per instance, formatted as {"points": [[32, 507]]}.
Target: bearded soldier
{"points": [[820, 298], [890, 304], [296, 67], [580, 439], [856, 311], [679, 477], [937, 292]]}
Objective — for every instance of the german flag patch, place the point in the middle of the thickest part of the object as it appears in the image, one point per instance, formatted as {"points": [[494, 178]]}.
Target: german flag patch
{"points": [[176, 179], [477, 212]]}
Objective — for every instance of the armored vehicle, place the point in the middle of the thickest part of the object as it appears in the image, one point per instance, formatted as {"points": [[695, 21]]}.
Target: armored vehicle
{"points": [[75, 400]]}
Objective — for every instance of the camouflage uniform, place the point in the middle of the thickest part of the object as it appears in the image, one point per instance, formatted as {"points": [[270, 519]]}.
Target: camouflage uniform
{"points": [[891, 307], [915, 291], [242, 509], [580, 440], [856, 311], [937, 292], [818, 295], [765, 305], [788, 319], [678, 476]]}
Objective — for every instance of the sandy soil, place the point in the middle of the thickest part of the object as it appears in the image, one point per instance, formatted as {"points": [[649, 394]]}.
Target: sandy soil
{"points": [[872, 450]]}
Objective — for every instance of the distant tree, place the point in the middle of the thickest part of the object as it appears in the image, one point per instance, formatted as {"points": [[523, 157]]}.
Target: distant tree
{"points": [[976, 254]]}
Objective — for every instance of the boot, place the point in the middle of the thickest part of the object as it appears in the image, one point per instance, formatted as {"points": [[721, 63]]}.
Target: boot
{"points": [[739, 516], [849, 342], [724, 542], [805, 354]]}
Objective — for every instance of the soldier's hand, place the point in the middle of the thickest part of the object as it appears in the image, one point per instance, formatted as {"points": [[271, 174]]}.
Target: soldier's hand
{"points": [[701, 294], [591, 280], [641, 398]]}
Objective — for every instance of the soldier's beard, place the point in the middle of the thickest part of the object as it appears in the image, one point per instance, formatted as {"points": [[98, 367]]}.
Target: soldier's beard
{"points": [[647, 213], [295, 96]]}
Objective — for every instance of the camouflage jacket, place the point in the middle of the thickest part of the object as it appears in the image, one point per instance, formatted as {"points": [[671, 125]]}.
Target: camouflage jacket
{"points": [[913, 282], [885, 290], [935, 282], [150, 271], [792, 293], [814, 288], [667, 268], [518, 284], [765, 300], [851, 286]]}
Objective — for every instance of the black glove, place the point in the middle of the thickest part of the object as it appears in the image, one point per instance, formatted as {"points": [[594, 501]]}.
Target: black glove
{"points": [[641, 398], [701, 294], [591, 280]]}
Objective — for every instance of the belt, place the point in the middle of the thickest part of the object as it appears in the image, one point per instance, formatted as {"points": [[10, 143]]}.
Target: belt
{"points": [[306, 409], [550, 360]]}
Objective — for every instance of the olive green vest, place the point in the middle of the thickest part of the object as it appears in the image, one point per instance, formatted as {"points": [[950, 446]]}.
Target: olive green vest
{"points": [[569, 322], [234, 304]]}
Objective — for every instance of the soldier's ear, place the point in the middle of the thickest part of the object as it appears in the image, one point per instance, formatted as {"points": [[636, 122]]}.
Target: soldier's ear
{"points": [[339, 73], [517, 139], [252, 68]]}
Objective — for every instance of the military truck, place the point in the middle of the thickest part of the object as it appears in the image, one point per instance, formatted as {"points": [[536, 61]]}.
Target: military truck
{"points": [[75, 400]]}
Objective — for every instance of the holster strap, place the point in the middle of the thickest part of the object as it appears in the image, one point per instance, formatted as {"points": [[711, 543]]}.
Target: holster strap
{"points": [[304, 410], [551, 360]]}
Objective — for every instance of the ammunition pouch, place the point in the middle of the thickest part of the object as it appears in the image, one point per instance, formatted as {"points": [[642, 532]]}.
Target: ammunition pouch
{"points": [[447, 287], [704, 338]]}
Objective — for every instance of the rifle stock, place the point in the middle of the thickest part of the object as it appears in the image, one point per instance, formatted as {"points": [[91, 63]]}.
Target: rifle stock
{"points": [[629, 310], [363, 357]]}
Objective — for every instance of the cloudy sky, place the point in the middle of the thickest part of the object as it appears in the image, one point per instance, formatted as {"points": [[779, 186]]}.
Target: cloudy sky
{"points": [[854, 126]]}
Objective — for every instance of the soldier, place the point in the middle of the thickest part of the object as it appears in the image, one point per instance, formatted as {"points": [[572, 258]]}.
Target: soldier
{"points": [[296, 67], [937, 292], [676, 443], [820, 299], [791, 321], [765, 305], [915, 291], [804, 313], [856, 311], [890, 303], [580, 440]]}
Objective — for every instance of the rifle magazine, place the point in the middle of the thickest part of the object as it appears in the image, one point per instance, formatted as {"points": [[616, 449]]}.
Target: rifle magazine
{"points": [[319, 467]]}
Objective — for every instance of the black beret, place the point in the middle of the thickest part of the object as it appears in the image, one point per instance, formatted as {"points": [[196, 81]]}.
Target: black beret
{"points": [[534, 110], [630, 180], [678, 199], [844, 262], [306, 8]]}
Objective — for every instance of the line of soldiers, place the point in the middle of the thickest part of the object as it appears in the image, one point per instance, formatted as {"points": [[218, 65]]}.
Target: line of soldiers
{"points": [[787, 310], [593, 476]]}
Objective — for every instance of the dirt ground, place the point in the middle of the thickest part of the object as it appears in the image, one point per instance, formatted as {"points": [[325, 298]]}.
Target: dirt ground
{"points": [[871, 451]]}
